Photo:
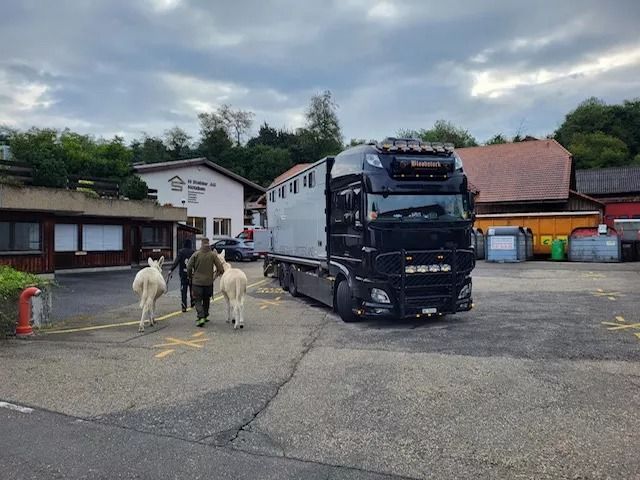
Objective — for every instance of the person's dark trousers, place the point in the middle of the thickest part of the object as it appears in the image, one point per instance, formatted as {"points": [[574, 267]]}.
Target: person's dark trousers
{"points": [[202, 295], [184, 285]]}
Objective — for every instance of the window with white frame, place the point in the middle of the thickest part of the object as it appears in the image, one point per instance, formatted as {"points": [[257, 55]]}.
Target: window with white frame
{"points": [[66, 237], [222, 226], [102, 238], [198, 222]]}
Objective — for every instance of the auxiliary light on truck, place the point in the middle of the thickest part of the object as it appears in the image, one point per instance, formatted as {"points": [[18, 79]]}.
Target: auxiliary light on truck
{"points": [[433, 268]]}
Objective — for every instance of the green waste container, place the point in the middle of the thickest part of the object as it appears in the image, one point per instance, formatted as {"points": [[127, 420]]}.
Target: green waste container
{"points": [[557, 250]]}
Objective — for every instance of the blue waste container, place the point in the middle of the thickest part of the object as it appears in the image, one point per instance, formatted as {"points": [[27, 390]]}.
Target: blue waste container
{"points": [[506, 244]]}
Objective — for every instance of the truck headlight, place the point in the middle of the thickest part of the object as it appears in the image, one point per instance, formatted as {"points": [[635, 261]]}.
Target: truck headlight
{"points": [[374, 160], [379, 296], [465, 292], [410, 269], [445, 267], [457, 162]]}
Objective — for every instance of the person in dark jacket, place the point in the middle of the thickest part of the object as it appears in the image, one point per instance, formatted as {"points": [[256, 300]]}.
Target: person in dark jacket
{"points": [[184, 254], [203, 268]]}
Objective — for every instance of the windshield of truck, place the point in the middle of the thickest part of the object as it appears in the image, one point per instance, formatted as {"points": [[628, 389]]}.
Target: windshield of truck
{"points": [[445, 208]]}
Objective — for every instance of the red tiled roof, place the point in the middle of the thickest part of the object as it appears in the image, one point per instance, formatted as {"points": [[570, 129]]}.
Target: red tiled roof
{"points": [[536, 170], [289, 173]]}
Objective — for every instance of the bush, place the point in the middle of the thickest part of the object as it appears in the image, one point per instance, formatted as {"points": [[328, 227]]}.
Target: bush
{"points": [[135, 188], [12, 282], [50, 172]]}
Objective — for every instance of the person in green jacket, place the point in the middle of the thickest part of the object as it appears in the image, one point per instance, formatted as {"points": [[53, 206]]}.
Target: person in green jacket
{"points": [[200, 270]]}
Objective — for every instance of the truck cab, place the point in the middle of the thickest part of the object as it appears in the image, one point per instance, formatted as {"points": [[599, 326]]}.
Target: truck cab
{"points": [[400, 228]]}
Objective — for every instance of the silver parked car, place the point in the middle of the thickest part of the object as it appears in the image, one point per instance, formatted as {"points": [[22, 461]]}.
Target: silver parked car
{"points": [[236, 249]]}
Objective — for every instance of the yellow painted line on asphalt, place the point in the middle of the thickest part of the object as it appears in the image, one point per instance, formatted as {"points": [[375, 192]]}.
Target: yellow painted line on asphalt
{"points": [[137, 322], [199, 334], [186, 343], [165, 353], [637, 335], [620, 318], [616, 326]]}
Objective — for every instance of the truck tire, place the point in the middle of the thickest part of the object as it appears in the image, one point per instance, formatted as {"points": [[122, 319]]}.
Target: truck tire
{"points": [[282, 277], [344, 302], [293, 288]]}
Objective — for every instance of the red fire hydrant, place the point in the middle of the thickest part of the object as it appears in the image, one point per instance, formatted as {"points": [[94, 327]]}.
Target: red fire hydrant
{"points": [[23, 329]]}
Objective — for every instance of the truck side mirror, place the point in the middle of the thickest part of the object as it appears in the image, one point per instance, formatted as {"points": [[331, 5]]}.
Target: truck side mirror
{"points": [[348, 218], [472, 201]]}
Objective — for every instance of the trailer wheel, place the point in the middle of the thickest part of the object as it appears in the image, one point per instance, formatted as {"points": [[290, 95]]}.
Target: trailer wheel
{"points": [[344, 302], [282, 277], [293, 288]]}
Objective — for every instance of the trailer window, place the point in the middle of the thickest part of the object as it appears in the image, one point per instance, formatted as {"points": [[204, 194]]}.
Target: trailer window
{"points": [[312, 179], [295, 186], [417, 208]]}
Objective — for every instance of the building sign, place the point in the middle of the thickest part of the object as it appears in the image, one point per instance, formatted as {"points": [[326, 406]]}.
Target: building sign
{"points": [[195, 188], [177, 184], [503, 243]]}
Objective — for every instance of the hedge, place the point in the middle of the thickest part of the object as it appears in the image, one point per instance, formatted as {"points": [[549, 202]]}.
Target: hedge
{"points": [[12, 282]]}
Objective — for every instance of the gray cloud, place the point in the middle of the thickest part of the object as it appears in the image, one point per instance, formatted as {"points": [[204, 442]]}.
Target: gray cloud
{"points": [[126, 67]]}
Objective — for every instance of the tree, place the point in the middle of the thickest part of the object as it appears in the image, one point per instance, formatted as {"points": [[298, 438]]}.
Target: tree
{"points": [[112, 159], [150, 150], [357, 141], [214, 139], [497, 139], [237, 122], [598, 150], [177, 142], [592, 115], [322, 119], [135, 188], [447, 132], [407, 133]]}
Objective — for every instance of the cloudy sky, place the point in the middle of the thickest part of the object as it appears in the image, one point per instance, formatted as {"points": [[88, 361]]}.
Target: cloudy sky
{"points": [[132, 66]]}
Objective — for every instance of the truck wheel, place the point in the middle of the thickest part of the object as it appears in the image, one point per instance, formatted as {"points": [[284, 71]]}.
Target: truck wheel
{"points": [[344, 302], [293, 288], [282, 277]]}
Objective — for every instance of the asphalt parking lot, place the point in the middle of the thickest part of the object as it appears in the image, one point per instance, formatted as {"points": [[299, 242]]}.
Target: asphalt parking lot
{"points": [[540, 380]]}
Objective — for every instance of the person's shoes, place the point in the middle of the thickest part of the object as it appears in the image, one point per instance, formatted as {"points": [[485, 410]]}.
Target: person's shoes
{"points": [[184, 309], [193, 304], [206, 319], [200, 322]]}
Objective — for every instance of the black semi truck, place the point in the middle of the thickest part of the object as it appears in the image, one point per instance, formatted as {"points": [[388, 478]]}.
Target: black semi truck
{"points": [[382, 229]]}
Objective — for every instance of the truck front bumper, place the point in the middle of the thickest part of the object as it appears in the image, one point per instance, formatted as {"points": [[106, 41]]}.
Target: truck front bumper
{"points": [[411, 306]]}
